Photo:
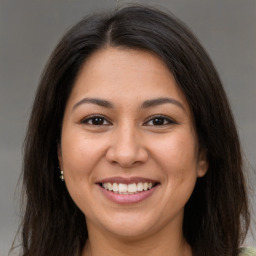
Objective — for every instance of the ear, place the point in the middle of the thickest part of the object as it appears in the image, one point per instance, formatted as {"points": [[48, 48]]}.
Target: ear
{"points": [[202, 165], [60, 156]]}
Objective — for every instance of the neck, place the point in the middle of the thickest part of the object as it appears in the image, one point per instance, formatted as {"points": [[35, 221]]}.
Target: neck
{"points": [[164, 243]]}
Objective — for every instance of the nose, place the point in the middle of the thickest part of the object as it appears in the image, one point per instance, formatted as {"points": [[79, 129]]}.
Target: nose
{"points": [[126, 148]]}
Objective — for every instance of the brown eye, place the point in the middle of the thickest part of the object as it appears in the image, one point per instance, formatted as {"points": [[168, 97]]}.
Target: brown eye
{"points": [[96, 120], [159, 121]]}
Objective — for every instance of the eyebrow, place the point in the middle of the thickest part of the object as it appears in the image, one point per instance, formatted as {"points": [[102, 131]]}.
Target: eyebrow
{"points": [[145, 104], [96, 101], [160, 101]]}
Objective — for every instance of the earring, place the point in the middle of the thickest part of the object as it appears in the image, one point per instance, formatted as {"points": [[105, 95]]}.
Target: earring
{"points": [[61, 174]]}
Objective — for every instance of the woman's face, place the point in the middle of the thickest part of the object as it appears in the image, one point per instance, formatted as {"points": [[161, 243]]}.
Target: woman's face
{"points": [[129, 148]]}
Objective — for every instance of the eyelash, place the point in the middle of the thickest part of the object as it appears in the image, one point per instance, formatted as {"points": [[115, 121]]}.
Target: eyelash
{"points": [[164, 119], [90, 118]]}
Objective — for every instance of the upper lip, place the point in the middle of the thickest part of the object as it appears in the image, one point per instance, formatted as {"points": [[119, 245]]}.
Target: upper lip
{"points": [[123, 180]]}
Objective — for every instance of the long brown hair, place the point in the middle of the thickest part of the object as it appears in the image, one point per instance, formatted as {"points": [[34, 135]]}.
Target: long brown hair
{"points": [[216, 216]]}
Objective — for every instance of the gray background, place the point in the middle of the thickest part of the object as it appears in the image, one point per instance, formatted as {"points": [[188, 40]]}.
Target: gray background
{"points": [[29, 30]]}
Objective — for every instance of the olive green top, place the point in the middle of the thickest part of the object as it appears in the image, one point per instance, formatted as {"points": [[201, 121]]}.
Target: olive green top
{"points": [[248, 251]]}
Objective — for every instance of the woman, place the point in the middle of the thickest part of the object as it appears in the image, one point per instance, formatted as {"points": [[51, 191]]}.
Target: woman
{"points": [[131, 147]]}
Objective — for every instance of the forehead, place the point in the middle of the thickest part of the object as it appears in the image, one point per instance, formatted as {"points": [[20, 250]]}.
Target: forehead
{"points": [[125, 75]]}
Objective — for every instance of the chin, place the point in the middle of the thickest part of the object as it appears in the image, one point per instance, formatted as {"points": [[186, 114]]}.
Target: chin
{"points": [[130, 233], [130, 227]]}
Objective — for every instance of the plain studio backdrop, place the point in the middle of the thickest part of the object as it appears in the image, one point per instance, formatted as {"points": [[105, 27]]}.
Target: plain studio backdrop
{"points": [[30, 29]]}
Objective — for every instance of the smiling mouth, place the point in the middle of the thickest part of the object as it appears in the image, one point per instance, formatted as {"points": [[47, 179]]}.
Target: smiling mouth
{"points": [[128, 189]]}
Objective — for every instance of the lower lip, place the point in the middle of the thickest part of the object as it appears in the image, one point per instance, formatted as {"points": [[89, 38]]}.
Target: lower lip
{"points": [[128, 199]]}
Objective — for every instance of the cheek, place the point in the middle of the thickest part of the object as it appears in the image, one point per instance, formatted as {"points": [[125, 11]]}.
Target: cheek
{"points": [[177, 153], [177, 158], [80, 154]]}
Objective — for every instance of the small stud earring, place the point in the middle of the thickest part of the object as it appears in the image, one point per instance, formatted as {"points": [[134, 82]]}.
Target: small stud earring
{"points": [[61, 174]]}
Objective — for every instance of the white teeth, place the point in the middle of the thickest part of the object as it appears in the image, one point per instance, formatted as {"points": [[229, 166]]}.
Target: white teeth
{"points": [[132, 188], [145, 186], [109, 186], [140, 186], [122, 188], [127, 188], [115, 187]]}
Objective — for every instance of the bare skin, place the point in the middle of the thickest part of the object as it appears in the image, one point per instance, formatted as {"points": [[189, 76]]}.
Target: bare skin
{"points": [[124, 247], [126, 119]]}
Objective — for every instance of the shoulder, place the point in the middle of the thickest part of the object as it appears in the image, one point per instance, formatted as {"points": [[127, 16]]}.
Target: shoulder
{"points": [[247, 251]]}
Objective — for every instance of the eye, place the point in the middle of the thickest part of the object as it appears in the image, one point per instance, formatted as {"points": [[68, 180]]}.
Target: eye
{"points": [[96, 120], [159, 121]]}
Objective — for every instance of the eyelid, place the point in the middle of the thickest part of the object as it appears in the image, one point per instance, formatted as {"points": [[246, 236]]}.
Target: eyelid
{"points": [[170, 120], [89, 117]]}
